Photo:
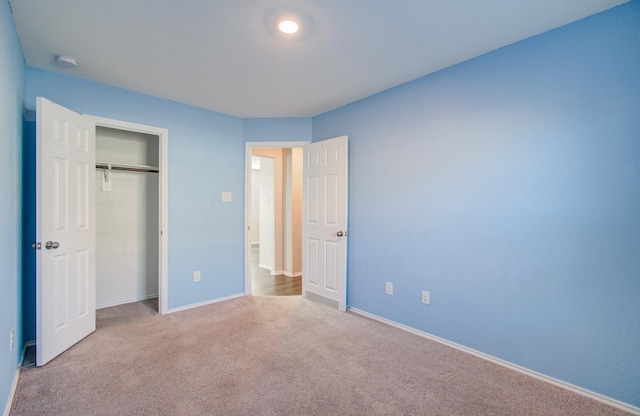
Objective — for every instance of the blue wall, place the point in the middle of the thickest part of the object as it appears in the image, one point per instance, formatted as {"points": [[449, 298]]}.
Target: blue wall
{"points": [[11, 92], [206, 157], [277, 129], [509, 186]]}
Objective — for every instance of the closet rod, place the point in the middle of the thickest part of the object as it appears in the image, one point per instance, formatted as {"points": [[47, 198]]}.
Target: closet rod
{"points": [[131, 168]]}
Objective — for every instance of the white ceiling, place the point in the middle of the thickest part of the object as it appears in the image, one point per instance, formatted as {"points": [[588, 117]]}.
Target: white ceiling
{"points": [[226, 56]]}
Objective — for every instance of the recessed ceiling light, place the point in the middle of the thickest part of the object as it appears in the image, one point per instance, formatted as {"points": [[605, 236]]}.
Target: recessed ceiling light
{"points": [[66, 61], [288, 26]]}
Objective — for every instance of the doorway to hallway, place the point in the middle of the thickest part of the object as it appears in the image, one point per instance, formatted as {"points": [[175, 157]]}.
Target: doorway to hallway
{"points": [[273, 214]]}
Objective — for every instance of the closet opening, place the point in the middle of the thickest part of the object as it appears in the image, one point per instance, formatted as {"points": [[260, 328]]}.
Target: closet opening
{"points": [[130, 215]]}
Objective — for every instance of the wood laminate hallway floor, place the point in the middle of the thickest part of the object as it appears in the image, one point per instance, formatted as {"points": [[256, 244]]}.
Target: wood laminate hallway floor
{"points": [[263, 283]]}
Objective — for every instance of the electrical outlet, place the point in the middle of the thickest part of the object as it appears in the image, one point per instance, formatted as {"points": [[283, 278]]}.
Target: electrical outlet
{"points": [[426, 297], [196, 276], [388, 288], [12, 339]]}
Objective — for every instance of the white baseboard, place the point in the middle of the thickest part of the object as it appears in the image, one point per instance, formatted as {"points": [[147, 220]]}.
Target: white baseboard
{"points": [[208, 302], [264, 266], [122, 302], [283, 272], [12, 392], [559, 383], [16, 377]]}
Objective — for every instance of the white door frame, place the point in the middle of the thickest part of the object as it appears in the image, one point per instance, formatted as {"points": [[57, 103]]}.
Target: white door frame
{"points": [[249, 146], [163, 164]]}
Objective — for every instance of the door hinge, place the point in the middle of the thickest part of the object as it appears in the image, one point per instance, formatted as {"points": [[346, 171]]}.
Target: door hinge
{"points": [[36, 246]]}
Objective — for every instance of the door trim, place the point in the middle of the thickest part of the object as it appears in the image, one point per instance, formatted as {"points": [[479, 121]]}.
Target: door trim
{"points": [[249, 146], [163, 162]]}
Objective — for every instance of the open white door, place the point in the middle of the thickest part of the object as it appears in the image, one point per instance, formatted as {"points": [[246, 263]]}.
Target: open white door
{"points": [[65, 228], [324, 222]]}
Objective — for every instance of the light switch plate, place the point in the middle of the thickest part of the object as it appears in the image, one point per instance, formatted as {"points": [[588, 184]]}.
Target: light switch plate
{"points": [[226, 197]]}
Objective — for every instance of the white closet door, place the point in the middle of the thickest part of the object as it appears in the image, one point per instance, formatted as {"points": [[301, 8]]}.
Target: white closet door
{"points": [[65, 226]]}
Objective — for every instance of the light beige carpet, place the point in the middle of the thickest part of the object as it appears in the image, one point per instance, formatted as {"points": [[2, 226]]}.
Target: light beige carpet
{"points": [[276, 356]]}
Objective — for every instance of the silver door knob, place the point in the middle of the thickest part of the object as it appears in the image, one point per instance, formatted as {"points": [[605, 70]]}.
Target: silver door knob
{"points": [[51, 245], [339, 233]]}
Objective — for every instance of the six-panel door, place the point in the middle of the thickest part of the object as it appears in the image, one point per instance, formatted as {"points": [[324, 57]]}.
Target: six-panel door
{"points": [[324, 230], [65, 226]]}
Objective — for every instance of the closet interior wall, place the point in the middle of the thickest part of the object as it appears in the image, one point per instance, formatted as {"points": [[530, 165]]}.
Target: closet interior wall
{"points": [[127, 218]]}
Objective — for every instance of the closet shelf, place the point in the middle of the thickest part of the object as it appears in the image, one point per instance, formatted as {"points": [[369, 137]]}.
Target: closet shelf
{"points": [[131, 168]]}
